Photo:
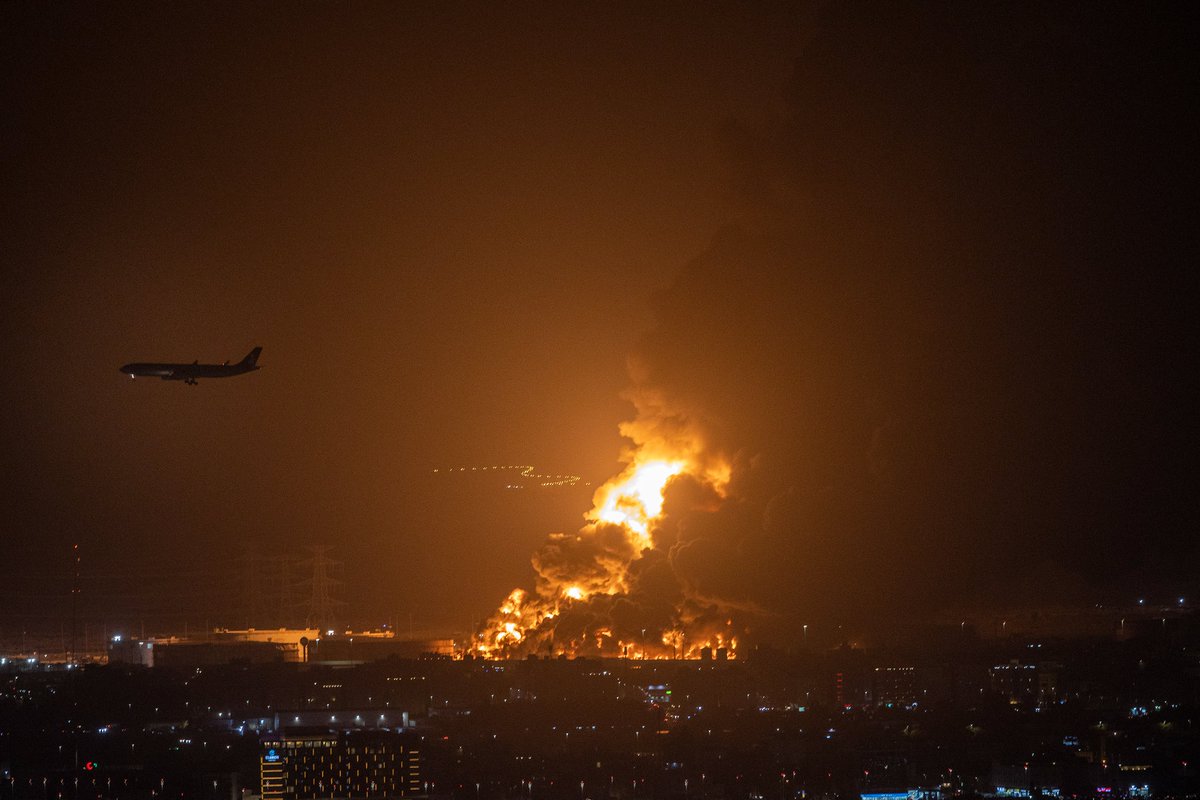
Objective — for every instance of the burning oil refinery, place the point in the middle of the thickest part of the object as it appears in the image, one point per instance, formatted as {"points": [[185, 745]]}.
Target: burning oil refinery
{"points": [[608, 589]]}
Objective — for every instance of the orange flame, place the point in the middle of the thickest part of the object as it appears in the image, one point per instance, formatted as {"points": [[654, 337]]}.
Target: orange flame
{"points": [[634, 499], [633, 502]]}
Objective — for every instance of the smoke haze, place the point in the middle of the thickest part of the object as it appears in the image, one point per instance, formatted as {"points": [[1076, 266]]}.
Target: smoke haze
{"points": [[908, 285], [940, 347]]}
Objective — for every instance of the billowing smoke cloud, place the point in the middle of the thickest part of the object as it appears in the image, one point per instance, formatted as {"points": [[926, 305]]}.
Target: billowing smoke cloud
{"points": [[919, 343], [916, 360]]}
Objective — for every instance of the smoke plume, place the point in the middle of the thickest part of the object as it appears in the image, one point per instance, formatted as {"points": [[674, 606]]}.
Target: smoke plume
{"points": [[912, 365]]}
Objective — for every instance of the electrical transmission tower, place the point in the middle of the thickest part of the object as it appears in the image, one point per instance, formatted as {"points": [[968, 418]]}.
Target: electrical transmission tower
{"points": [[322, 607], [251, 580], [284, 573]]}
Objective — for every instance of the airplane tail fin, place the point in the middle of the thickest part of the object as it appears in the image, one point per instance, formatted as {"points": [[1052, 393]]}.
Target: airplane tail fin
{"points": [[251, 358]]}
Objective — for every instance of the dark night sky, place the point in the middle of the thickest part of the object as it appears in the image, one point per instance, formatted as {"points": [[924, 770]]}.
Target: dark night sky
{"points": [[922, 270]]}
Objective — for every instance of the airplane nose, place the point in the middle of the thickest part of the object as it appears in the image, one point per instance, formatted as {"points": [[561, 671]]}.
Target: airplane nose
{"points": [[125, 370]]}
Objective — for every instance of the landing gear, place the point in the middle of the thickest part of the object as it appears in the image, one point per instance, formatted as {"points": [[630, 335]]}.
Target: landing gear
{"points": [[190, 381]]}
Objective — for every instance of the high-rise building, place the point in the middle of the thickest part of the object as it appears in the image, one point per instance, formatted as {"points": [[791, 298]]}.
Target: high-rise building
{"points": [[311, 763], [894, 686]]}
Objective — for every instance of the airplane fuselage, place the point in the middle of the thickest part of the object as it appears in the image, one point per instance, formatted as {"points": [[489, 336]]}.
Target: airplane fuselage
{"points": [[189, 373]]}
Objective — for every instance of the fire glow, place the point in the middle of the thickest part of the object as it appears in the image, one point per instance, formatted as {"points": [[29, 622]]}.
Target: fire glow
{"points": [[635, 498], [582, 579]]}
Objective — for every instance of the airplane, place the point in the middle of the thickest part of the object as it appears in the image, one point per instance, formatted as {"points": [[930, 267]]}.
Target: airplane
{"points": [[188, 373]]}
